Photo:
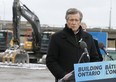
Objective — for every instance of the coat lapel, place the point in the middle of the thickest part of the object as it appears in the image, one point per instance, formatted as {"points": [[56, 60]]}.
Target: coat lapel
{"points": [[70, 39], [84, 36]]}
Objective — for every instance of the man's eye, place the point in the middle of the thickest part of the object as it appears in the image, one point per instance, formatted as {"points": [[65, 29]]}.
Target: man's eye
{"points": [[74, 20], [71, 19]]}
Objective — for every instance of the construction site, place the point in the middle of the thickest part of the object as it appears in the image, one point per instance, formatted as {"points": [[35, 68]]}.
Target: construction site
{"points": [[24, 45]]}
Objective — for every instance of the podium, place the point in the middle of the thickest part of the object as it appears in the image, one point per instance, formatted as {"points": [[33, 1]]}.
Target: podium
{"points": [[95, 72]]}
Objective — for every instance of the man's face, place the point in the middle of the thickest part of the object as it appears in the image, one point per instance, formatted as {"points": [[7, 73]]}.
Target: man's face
{"points": [[73, 21]]}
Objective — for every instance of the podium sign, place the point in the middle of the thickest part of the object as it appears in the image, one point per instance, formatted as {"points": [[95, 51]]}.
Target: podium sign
{"points": [[90, 72]]}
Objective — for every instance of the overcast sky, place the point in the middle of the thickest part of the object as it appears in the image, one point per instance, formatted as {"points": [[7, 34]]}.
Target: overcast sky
{"points": [[52, 12]]}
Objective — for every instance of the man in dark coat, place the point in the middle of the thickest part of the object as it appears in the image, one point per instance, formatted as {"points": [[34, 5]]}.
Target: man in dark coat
{"points": [[64, 48]]}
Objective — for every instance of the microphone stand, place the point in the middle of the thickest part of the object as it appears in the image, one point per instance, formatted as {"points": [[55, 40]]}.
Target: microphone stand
{"points": [[109, 56], [81, 56]]}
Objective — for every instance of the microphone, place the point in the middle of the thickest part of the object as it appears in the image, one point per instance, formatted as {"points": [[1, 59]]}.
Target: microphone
{"points": [[83, 45], [101, 46]]}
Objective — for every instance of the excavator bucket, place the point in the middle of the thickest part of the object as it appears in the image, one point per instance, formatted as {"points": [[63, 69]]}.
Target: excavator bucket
{"points": [[15, 54], [22, 58]]}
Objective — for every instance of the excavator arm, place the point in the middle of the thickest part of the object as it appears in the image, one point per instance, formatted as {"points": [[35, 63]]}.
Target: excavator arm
{"points": [[16, 22], [22, 10]]}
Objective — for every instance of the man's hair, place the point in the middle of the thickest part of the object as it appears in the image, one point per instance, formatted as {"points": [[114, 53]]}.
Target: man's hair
{"points": [[73, 11]]}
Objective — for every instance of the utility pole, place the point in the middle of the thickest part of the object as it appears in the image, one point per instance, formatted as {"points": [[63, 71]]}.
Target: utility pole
{"points": [[110, 15]]}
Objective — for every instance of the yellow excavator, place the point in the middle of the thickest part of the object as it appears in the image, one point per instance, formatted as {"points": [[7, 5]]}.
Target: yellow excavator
{"points": [[37, 43]]}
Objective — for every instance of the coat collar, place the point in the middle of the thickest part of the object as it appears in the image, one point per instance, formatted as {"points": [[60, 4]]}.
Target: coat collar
{"points": [[69, 35]]}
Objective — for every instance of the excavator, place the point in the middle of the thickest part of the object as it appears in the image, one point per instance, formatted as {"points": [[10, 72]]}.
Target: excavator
{"points": [[17, 53]]}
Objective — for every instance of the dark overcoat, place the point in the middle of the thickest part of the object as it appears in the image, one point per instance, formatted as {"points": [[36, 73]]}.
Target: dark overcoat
{"points": [[64, 51], [98, 50]]}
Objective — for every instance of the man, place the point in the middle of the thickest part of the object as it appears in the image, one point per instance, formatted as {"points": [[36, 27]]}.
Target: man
{"points": [[84, 27], [64, 48]]}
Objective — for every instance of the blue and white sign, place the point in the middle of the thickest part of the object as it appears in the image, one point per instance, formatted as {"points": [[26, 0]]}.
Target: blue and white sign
{"points": [[95, 71], [101, 37]]}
